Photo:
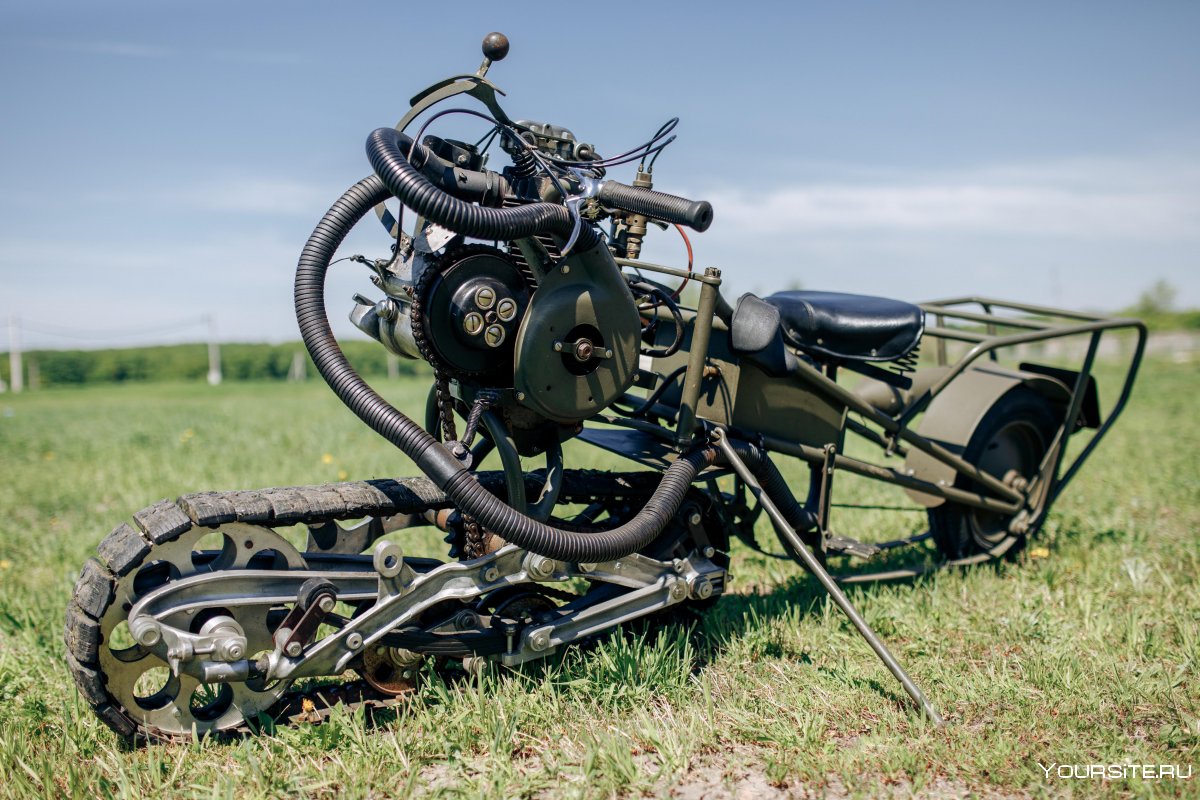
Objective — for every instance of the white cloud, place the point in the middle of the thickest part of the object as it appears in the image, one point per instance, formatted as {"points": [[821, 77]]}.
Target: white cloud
{"points": [[1079, 198]]}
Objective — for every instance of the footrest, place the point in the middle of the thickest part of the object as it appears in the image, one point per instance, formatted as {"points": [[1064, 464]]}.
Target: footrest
{"points": [[851, 547]]}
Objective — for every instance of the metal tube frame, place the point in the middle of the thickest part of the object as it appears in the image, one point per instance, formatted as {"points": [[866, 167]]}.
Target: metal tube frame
{"points": [[989, 493]]}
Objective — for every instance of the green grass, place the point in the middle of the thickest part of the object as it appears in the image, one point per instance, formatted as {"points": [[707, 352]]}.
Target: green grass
{"points": [[1085, 652]]}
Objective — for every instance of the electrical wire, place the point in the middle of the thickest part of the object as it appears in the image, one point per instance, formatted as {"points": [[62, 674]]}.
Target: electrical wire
{"points": [[661, 130], [688, 243], [504, 129], [651, 399], [628, 155]]}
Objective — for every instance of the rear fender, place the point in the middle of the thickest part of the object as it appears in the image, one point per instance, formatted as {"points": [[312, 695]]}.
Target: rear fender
{"points": [[953, 416]]}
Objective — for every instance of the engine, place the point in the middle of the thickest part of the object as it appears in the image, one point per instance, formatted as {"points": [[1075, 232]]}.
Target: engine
{"points": [[564, 343]]}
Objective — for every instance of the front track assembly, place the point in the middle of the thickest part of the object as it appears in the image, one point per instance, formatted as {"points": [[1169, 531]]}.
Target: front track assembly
{"points": [[201, 618]]}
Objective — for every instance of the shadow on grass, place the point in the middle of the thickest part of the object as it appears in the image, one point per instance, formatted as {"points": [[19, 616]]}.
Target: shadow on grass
{"points": [[700, 637]]}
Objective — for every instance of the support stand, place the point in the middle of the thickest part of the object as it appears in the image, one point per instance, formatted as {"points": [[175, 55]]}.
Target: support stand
{"points": [[814, 565]]}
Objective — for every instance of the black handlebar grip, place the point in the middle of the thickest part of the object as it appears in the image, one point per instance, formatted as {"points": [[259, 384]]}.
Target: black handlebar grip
{"points": [[696, 214]]}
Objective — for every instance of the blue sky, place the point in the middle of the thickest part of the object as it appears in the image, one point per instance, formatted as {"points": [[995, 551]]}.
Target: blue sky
{"points": [[164, 160]]}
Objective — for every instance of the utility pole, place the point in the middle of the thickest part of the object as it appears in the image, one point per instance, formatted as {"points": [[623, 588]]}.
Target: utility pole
{"points": [[214, 352], [16, 371], [299, 370]]}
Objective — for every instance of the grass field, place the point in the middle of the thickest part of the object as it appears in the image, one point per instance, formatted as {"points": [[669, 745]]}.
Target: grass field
{"points": [[1084, 651]]}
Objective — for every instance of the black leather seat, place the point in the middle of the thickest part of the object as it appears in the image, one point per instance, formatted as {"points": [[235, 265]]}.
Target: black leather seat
{"points": [[849, 326], [855, 328]]}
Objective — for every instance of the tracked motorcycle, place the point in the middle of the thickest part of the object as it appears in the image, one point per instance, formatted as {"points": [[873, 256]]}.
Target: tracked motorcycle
{"points": [[524, 291]]}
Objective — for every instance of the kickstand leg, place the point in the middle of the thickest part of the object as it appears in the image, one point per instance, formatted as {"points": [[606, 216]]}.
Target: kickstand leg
{"points": [[816, 568]]}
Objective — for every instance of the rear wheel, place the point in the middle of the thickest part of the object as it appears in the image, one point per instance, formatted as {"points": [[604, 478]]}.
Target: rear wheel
{"points": [[1009, 443]]}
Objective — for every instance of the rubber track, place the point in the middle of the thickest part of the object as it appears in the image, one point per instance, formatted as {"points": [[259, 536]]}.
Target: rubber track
{"points": [[125, 549]]}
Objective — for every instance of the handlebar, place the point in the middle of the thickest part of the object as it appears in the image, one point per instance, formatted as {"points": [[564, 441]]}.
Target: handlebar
{"points": [[443, 193], [696, 214]]}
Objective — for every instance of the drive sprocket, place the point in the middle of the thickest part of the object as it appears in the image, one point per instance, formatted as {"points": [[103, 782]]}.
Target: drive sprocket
{"points": [[136, 683]]}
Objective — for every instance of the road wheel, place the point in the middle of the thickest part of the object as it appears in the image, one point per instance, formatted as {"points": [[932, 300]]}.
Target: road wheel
{"points": [[1010, 441]]}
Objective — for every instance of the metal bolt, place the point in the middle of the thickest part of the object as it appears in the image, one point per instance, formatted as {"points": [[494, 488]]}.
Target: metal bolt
{"points": [[710, 551], [490, 575], [540, 640], [679, 566], [473, 323], [387, 309], [678, 590], [520, 397], [607, 353], [494, 336], [586, 566], [506, 309], [485, 296], [293, 649], [234, 651], [566, 268], [326, 603], [695, 518], [558, 346], [354, 641], [407, 675], [543, 567], [703, 588], [149, 634], [584, 350]]}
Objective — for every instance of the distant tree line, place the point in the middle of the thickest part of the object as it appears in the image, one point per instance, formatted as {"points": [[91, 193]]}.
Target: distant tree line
{"points": [[1156, 307], [189, 362]]}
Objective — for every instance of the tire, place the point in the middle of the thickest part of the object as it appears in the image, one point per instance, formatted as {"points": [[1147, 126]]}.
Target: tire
{"points": [[1014, 434]]}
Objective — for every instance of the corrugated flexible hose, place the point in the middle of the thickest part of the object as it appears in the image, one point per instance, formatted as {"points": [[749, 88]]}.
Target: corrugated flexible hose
{"points": [[432, 459]]}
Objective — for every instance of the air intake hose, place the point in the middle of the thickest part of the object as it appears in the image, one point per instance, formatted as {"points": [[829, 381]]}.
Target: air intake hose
{"points": [[441, 467], [387, 151]]}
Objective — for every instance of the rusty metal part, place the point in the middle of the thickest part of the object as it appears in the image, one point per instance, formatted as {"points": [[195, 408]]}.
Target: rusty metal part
{"points": [[393, 671]]}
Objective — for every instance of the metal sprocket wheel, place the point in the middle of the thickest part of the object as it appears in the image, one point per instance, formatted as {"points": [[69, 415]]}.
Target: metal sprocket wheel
{"points": [[142, 683]]}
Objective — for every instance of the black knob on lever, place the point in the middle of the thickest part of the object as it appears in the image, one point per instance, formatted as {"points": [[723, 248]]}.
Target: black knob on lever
{"points": [[495, 46]]}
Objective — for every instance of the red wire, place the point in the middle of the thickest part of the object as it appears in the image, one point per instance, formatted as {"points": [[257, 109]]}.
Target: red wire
{"points": [[688, 243]]}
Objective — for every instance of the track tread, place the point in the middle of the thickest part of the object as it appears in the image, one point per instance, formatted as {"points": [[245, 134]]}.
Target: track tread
{"points": [[251, 506], [162, 522], [208, 508], [361, 496], [304, 503], [112, 716], [94, 589], [122, 550], [89, 680], [82, 635]]}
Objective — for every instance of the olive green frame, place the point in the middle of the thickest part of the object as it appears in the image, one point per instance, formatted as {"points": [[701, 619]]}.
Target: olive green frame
{"points": [[1027, 505]]}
